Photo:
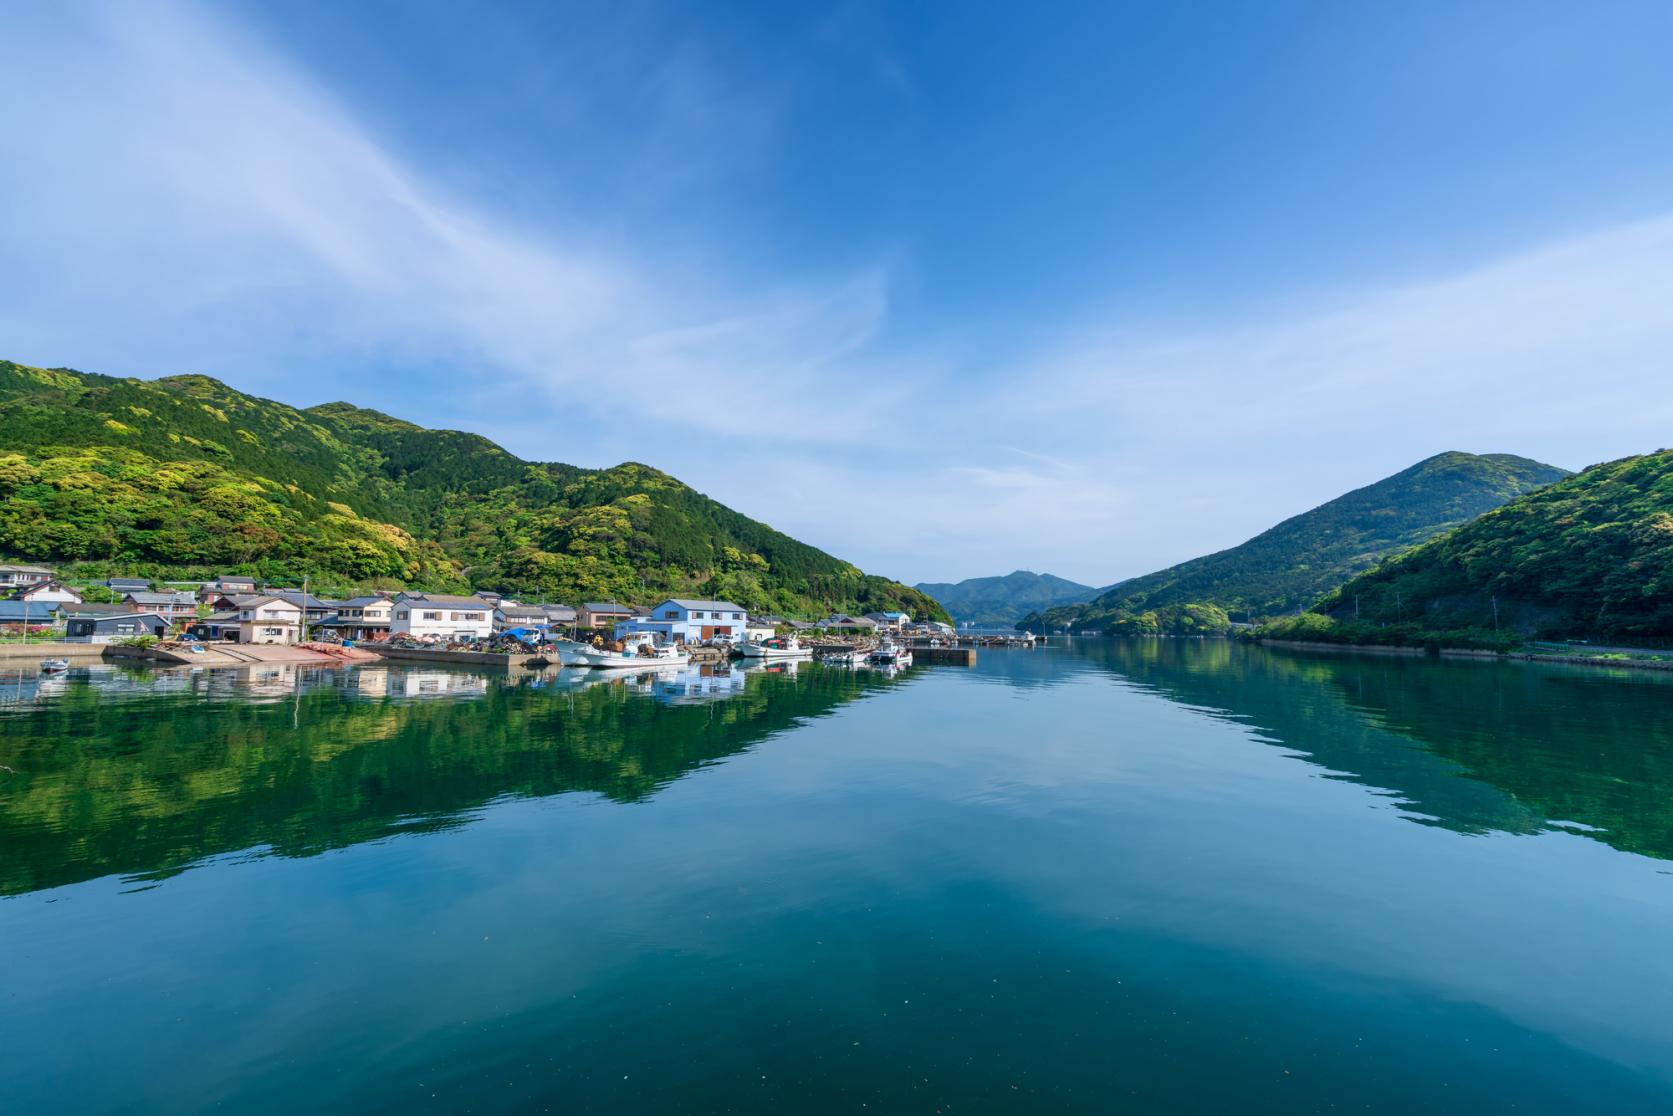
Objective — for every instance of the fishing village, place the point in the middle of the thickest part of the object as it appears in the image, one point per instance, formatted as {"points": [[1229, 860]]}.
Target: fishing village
{"points": [[233, 621]]}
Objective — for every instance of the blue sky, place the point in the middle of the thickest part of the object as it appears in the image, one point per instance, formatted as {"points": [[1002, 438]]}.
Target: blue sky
{"points": [[945, 289]]}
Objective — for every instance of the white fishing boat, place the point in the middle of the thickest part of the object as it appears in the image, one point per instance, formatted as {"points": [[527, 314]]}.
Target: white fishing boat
{"points": [[644, 655], [54, 666], [779, 647], [845, 657], [891, 653]]}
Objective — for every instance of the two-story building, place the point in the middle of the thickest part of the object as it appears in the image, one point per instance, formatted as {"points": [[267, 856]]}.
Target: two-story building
{"points": [[176, 606], [602, 614], [227, 586], [21, 577], [508, 616], [892, 621], [436, 615], [689, 621], [363, 618], [269, 619]]}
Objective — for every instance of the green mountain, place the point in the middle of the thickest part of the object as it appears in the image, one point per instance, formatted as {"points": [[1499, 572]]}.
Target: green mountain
{"points": [[1293, 564], [1588, 557], [184, 474], [1004, 600]]}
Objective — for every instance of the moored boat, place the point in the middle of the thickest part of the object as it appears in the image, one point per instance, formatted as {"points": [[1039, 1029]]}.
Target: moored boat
{"points": [[635, 656], [54, 666], [779, 647], [891, 653]]}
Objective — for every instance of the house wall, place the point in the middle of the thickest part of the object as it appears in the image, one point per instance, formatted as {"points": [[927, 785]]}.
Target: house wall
{"points": [[419, 619]]}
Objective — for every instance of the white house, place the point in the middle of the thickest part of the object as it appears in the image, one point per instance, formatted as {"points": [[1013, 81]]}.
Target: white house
{"points": [[690, 621], [444, 617], [16, 577], [894, 621], [51, 592], [760, 629], [269, 620]]}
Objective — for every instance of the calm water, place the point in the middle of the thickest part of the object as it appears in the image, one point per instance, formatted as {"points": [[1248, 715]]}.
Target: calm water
{"points": [[1143, 876]]}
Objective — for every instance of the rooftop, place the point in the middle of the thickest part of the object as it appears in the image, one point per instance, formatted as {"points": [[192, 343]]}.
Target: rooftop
{"points": [[706, 606]]}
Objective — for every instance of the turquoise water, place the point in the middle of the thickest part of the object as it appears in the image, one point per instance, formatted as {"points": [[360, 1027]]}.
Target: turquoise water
{"points": [[1141, 876]]}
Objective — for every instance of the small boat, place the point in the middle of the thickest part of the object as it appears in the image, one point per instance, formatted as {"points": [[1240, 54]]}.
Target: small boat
{"points": [[54, 666], [846, 657], [779, 647], [891, 653], [641, 656]]}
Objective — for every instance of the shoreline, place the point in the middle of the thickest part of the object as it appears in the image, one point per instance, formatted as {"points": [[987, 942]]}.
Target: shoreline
{"points": [[1466, 653]]}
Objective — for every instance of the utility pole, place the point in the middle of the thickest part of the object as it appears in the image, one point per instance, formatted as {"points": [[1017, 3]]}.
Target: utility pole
{"points": [[1356, 608], [1495, 612], [304, 608], [1397, 614]]}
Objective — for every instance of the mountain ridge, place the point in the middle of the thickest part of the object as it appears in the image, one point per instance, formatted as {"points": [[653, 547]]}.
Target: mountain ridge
{"points": [[1007, 598], [186, 473], [1292, 564]]}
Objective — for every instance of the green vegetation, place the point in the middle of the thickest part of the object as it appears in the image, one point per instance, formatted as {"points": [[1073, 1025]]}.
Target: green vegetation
{"points": [[1004, 600], [1290, 566], [184, 476], [1590, 557]]}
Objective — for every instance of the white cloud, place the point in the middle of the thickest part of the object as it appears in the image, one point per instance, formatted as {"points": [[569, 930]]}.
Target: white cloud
{"points": [[182, 198]]}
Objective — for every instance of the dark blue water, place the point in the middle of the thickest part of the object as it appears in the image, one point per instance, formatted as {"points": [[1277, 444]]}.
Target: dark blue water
{"points": [[1147, 876]]}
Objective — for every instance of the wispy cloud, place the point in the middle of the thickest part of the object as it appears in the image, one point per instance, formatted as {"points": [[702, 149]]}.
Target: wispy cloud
{"points": [[184, 198]]}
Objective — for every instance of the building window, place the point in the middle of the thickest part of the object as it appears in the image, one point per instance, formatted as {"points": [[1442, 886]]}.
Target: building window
{"points": [[432, 616]]}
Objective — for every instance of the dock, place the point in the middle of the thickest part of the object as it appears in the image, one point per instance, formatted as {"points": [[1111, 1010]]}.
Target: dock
{"points": [[531, 661], [945, 656]]}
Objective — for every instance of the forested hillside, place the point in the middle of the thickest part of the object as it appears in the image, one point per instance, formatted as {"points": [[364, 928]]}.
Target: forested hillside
{"points": [[1004, 600], [1590, 557], [186, 474], [1293, 564]]}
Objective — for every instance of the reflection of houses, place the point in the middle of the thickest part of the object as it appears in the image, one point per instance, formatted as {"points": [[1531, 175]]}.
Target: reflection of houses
{"points": [[436, 683], [173, 605], [697, 684], [441, 616], [268, 620], [689, 621], [102, 627], [21, 577]]}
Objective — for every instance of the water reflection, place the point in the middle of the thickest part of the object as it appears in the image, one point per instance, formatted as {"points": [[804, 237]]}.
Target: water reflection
{"points": [[1471, 746], [146, 772]]}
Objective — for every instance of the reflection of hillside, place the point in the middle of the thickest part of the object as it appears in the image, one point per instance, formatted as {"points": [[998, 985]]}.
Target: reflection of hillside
{"points": [[1470, 746], [150, 786]]}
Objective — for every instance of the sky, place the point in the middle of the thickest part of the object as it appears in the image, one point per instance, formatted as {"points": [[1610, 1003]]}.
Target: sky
{"points": [[945, 289]]}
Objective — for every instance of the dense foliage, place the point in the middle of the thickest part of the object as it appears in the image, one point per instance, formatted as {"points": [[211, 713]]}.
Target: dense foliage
{"points": [[1590, 557], [1290, 566], [184, 475], [1004, 600]]}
